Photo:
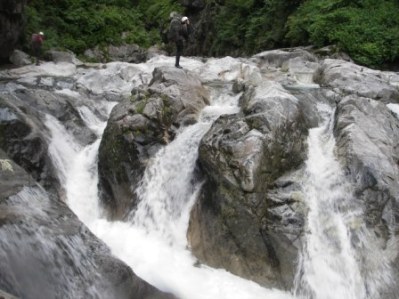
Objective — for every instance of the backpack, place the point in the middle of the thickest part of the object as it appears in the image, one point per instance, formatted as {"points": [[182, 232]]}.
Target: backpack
{"points": [[174, 29]]}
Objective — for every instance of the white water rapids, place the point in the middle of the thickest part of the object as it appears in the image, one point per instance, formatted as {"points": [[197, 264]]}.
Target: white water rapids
{"points": [[340, 258], [154, 241]]}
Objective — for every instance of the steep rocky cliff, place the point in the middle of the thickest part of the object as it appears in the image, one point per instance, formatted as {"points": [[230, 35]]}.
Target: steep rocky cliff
{"points": [[11, 26]]}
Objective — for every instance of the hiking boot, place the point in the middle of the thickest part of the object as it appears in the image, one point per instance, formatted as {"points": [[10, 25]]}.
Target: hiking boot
{"points": [[178, 66]]}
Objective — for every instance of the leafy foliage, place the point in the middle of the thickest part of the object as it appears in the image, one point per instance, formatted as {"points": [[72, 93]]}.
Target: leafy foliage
{"points": [[81, 24], [253, 25], [367, 30]]}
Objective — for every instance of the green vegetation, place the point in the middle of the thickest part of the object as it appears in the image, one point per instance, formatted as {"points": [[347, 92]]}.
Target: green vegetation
{"points": [[252, 25], [78, 25], [367, 30]]}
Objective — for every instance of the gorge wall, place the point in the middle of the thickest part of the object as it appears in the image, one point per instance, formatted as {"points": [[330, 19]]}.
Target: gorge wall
{"points": [[11, 26]]}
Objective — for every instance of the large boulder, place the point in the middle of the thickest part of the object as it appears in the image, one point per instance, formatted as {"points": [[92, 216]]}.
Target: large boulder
{"points": [[11, 26], [244, 221], [63, 56], [367, 135], [19, 58], [126, 53], [277, 58], [46, 252], [348, 78], [138, 127]]}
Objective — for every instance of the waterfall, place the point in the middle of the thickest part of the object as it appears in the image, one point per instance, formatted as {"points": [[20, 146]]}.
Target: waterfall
{"points": [[168, 188], [153, 242], [340, 257]]}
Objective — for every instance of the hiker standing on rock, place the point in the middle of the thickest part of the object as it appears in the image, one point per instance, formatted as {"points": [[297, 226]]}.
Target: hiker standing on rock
{"points": [[37, 41], [179, 31]]}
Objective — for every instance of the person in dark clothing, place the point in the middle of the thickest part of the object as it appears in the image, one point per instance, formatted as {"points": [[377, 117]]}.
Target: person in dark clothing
{"points": [[179, 32], [37, 41]]}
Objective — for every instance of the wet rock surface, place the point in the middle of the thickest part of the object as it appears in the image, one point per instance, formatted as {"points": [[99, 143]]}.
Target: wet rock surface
{"points": [[139, 126], [250, 216], [39, 235]]}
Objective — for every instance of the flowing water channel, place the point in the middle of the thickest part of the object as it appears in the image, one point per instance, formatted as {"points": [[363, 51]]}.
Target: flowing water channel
{"points": [[339, 257], [154, 241]]}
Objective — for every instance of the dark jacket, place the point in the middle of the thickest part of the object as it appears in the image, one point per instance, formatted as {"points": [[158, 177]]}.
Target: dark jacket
{"points": [[174, 28], [184, 31], [178, 31]]}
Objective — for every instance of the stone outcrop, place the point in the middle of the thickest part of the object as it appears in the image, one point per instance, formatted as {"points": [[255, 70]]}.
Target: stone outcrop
{"points": [[41, 236], [11, 26], [251, 215], [19, 58], [233, 225], [126, 53], [25, 137], [367, 135], [139, 126], [348, 78]]}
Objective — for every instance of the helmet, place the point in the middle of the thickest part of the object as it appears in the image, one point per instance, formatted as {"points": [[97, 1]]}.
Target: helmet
{"points": [[41, 33], [184, 19]]}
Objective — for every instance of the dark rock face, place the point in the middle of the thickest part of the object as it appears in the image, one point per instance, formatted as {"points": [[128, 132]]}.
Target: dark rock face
{"points": [[24, 141], [127, 53], [203, 23], [367, 136], [138, 127], [11, 26], [233, 224], [46, 252], [24, 136]]}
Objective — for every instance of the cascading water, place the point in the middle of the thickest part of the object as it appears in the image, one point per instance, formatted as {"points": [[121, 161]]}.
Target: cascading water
{"points": [[340, 258], [168, 189], [154, 242]]}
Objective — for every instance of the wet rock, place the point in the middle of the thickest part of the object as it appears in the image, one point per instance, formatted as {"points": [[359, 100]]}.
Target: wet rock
{"points": [[349, 78], [138, 127], [4, 295], [127, 53], [21, 136], [124, 53], [43, 236], [25, 137], [19, 58], [63, 56], [367, 135], [234, 224], [277, 58]]}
